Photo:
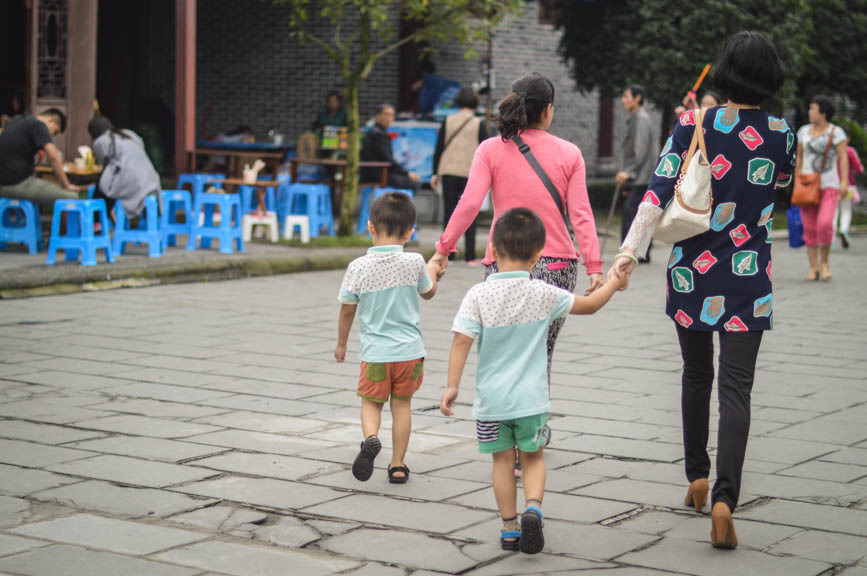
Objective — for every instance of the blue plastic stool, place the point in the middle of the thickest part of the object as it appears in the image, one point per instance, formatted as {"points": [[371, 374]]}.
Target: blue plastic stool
{"points": [[283, 205], [368, 197], [24, 228], [249, 201], [80, 218], [199, 181], [314, 201], [91, 191], [148, 229], [226, 231], [174, 200]]}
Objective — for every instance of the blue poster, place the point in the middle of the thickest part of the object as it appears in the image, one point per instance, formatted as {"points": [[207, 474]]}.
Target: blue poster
{"points": [[413, 143]]}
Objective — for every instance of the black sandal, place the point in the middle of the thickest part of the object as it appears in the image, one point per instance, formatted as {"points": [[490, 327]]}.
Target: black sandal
{"points": [[362, 468], [398, 479]]}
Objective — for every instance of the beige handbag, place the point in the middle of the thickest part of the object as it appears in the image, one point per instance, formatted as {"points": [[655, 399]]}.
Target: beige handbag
{"points": [[688, 214]]}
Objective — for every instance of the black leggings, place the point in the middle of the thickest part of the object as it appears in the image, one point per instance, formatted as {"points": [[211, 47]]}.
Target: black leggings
{"points": [[737, 366], [109, 202], [453, 187]]}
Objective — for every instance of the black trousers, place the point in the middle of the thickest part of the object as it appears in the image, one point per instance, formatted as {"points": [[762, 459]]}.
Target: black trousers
{"points": [[737, 367], [630, 207], [453, 188]]}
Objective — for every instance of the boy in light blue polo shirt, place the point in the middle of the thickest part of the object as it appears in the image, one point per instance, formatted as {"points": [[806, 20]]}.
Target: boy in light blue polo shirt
{"points": [[384, 287], [509, 315]]}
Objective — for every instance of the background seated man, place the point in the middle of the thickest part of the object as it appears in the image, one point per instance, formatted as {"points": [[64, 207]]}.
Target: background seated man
{"points": [[377, 148], [20, 142]]}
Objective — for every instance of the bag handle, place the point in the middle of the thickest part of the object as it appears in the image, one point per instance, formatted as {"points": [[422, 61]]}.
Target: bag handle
{"points": [[697, 142], [543, 176], [827, 149]]}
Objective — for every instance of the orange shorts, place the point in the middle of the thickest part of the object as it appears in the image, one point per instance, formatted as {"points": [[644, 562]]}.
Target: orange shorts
{"points": [[400, 380]]}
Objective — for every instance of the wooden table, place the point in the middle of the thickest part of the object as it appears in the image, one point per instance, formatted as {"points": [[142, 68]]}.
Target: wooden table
{"points": [[260, 186], [337, 186], [239, 153], [74, 174]]}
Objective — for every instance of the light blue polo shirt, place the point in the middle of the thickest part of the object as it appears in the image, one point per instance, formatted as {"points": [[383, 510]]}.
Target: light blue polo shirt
{"points": [[385, 284], [509, 315]]}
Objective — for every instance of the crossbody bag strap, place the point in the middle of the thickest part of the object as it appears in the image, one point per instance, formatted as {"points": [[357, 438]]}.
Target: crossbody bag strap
{"points": [[827, 149], [543, 176], [458, 131]]}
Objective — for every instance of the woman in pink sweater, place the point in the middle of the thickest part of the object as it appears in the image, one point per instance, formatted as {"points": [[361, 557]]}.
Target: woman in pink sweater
{"points": [[499, 166]]}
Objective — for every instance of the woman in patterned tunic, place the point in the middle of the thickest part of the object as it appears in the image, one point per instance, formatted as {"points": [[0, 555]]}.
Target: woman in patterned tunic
{"points": [[720, 281]]}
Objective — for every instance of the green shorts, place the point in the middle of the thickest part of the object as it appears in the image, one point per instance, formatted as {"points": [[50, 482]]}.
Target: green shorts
{"points": [[528, 434]]}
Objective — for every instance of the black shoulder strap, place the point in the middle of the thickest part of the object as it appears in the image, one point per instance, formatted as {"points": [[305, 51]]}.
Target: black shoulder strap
{"points": [[552, 190]]}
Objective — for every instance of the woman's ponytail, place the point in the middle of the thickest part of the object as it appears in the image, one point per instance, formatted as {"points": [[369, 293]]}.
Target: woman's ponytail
{"points": [[530, 97]]}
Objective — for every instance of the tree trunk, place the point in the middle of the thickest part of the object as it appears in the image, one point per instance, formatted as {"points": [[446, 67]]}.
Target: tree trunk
{"points": [[350, 184]]}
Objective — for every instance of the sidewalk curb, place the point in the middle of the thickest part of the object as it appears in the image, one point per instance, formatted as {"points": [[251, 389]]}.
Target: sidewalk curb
{"points": [[108, 278]]}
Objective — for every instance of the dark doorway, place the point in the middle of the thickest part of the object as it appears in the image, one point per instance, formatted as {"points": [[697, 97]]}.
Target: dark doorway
{"points": [[13, 64], [135, 72]]}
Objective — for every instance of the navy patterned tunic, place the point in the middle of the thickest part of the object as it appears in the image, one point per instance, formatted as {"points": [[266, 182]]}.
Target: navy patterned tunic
{"points": [[721, 280]]}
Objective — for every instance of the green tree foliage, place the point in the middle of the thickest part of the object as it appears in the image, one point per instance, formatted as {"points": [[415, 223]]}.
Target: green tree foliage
{"points": [[363, 31], [665, 44]]}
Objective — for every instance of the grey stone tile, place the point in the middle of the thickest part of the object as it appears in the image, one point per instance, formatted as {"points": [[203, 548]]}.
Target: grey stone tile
{"points": [[819, 470], [623, 447], [754, 535], [830, 518], [376, 569], [180, 378], [69, 380], [404, 548], [15, 481], [120, 536], [420, 486], [524, 564], [244, 560], [823, 546], [14, 544], [262, 492], [224, 519], [558, 506], [78, 366], [270, 465], [148, 448], [287, 532], [636, 491], [817, 491], [260, 442], [74, 561], [351, 435], [259, 422], [133, 471], [164, 392], [654, 521], [37, 455], [265, 404], [569, 538], [43, 433], [144, 426], [599, 427], [703, 560], [786, 451], [330, 528], [48, 411], [428, 516], [830, 429], [13, 511], [121, 501]]}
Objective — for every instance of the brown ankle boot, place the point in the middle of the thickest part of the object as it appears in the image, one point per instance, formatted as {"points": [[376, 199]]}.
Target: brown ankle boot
{"points": [[722, 532], [696, 495]]}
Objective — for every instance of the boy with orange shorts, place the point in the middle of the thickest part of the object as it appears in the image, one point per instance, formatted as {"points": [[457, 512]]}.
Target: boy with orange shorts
{"points": [[383, 286]]}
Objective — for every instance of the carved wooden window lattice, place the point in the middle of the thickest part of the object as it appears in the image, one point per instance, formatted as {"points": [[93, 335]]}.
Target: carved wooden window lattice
{"points": [[52, 53]]}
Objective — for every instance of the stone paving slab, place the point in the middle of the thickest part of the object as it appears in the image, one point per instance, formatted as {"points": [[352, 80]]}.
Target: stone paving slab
{"points": [[559, 506], [14, 544], [269, 465], [830, 518], [119, 536], [35, 455], [144, 426], [75, 561], [814, 545], [266, 492], [43, 433], [16, 481], [148, 448], [132, 471]]}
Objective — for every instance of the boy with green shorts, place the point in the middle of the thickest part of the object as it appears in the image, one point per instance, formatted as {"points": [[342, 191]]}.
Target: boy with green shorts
{"points": [[383, 286], [509, 314]]}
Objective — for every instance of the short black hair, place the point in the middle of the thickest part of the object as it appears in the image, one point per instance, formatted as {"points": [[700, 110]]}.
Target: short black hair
{"points": [[519, 234], [749, 71], [57, 116], [637, 90], [826, 106], [383, 106], [393, 214], [467, 98], [336, 94]]}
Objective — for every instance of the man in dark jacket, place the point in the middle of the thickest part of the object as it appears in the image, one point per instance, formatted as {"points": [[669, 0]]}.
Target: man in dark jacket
{"points": [[377, 148]]}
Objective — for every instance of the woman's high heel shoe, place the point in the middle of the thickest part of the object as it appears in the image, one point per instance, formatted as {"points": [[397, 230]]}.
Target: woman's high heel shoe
{"points": [[722, 532], [696, 496]]}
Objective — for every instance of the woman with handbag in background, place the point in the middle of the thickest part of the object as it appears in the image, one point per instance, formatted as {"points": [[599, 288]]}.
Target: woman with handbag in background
{"points": [[457, 140], [819, 184], [719, 280]]}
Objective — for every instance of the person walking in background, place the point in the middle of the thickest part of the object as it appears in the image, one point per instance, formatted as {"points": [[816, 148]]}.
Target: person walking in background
{"points": [[127, 176], [637, 155], [457, 140], [820, 145], [720, 281], [854, 197]]}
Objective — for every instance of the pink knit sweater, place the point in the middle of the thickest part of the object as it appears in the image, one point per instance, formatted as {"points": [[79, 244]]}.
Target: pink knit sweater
{"points": [[500, 167]]}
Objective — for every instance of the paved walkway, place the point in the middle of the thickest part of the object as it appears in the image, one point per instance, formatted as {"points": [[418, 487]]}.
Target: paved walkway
{"points": [[204, 429]]}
